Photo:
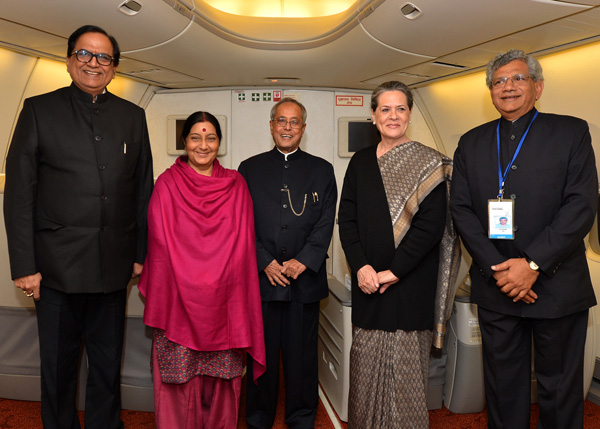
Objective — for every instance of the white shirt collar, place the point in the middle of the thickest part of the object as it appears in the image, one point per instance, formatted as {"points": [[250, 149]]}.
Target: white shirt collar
{"points": [[286, 154]]}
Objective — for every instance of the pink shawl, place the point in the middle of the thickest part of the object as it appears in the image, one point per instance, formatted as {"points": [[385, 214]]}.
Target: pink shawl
{"points": [[200, 276]]}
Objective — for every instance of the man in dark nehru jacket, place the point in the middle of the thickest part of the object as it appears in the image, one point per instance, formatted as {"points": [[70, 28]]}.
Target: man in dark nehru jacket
{"points": [[294, 196], [539, 171], [78, 181]]}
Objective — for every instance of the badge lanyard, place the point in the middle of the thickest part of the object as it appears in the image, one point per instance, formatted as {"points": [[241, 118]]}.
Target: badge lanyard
{"points": [[501, 177], [500, 210]]}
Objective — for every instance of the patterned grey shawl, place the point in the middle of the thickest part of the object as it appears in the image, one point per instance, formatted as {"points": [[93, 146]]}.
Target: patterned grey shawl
{"points": [[410, 171]]}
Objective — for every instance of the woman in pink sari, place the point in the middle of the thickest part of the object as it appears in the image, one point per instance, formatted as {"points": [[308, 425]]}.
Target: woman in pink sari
{"points": [[201, 287]]}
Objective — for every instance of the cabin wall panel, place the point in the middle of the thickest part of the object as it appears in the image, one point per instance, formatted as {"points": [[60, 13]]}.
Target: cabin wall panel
{"points": [[10, 296], [339, 266], [14, 73], [252, 135], [165, 103]]}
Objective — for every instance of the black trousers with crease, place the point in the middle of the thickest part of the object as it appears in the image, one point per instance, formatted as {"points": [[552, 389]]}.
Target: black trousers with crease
{"points": [[63, 321], [290, 335], [558, 346]]}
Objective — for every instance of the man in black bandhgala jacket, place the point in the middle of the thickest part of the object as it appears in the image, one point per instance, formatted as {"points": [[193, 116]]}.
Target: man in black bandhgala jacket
{"points": [[294, 196], [538, 170], [78, 182]]}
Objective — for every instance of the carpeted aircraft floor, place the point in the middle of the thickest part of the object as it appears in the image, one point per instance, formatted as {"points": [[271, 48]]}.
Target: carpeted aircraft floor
{"points": [[26, 415]]}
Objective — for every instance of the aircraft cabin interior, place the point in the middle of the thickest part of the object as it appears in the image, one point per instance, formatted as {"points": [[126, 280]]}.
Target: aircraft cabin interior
{"points": [[235, 59]]}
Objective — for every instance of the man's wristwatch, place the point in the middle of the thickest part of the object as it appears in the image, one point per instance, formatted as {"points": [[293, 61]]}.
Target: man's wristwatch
{"points": [[532, 264]]}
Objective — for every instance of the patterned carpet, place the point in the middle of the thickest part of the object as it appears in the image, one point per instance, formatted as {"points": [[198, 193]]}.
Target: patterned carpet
{"points": [[26, 415]]}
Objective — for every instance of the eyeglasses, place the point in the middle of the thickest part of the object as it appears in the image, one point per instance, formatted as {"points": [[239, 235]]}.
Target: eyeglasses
{"points": [[86, 56], [518, 79], [282, 122]]}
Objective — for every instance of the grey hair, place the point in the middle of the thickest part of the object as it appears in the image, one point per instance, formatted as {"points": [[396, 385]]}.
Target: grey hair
{"points": [[392, 85], [289, 100], [502, 59]]}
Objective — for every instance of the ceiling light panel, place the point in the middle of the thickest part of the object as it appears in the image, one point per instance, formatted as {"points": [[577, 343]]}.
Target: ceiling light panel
{"points": [[282, 8]]}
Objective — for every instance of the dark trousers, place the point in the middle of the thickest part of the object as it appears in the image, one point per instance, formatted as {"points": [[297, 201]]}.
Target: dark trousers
{"points": [[290, 335], [558, 346], [63, 320]]}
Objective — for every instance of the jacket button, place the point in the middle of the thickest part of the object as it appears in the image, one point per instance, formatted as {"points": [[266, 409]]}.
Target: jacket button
{"points": [[97, 138], [514, 167]]}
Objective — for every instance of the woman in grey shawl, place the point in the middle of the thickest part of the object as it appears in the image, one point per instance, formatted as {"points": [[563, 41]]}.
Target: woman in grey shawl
{"points": [[398, 238]]}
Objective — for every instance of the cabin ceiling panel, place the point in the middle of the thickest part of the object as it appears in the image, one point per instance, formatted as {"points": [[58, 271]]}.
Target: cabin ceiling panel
{"points": [[560, 33], [474, 57], [545, 37], [448, 26], [29, 39], [577, 28], [584, 2], [162, 47], [587, 19], [157, 22], [156, 75], [405, 78], [342, 63]]}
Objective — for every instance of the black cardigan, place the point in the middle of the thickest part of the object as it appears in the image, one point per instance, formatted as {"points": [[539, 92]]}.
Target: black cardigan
{"points": [[367, 237]]}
